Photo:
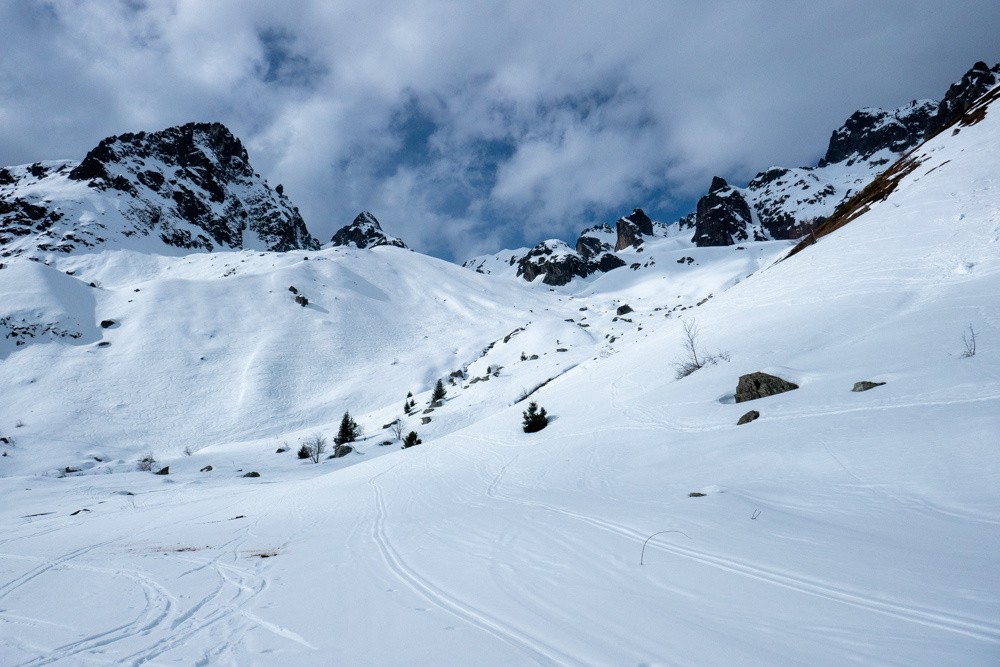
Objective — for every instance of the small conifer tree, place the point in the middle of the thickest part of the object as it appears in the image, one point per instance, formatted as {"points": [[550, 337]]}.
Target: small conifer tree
{"points": [[349, 430], [439, 392], [411, 439], [535, 419]]}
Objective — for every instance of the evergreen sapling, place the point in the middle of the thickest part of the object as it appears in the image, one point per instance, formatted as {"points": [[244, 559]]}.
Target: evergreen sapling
{"points": [[535, 419]]}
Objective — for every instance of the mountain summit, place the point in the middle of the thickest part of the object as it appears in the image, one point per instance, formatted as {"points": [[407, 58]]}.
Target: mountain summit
{"points": [[189, 187], [364, 232]]}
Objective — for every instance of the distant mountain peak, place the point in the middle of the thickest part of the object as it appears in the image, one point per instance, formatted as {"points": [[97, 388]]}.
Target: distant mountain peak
{"points": [[364, 232]]}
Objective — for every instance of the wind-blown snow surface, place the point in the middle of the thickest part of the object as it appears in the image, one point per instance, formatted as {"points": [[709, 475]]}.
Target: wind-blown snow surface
{"points": [[877, 529]]}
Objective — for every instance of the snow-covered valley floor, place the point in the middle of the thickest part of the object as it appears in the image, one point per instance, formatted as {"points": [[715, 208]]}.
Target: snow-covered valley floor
{"points": [[838, 528]]}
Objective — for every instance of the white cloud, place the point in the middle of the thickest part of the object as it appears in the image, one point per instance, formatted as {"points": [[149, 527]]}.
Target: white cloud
{"points": [[536, 116]]}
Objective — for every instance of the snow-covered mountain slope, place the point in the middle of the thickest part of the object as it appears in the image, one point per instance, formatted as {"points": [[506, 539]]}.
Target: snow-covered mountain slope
{"points": [[180, 189], [642, 526], [166, 354]]}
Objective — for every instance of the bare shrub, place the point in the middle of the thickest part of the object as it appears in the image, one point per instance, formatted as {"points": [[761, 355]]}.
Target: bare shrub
{"points": [[969, 341], [397, 428], [693, 358], [315, 445], [146, 462]]}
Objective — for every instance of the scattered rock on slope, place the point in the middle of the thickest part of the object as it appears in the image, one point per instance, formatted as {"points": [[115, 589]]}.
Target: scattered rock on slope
{"points": [[748, 417], [865, 385]]}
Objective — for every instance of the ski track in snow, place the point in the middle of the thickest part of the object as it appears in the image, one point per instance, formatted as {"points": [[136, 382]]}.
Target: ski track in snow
{"points": [[163, 621], [533, 647], [157, 606], [935, 618]]}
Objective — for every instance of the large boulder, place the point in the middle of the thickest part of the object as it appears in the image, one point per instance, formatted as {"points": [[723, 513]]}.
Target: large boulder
{"points": [[758, 385]]}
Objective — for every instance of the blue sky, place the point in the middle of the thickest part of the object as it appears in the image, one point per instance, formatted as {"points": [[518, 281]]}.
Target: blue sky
{"points": [[470, 127]]}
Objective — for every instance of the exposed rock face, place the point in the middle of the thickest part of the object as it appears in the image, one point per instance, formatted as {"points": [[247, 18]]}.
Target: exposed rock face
{"points": [[631, 229], [870, 130], [723, 216], [865, 385], [758, 385], [191, 186], [783, 199], [748, 417], [554, 260], [364, 232]]}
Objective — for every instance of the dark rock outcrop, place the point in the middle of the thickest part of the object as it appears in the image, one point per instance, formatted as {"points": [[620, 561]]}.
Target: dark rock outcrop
{"points": [[590, 243], [554, 260], [723, 216], [163, 471], [364, 232], [759, 385], [963, 94], [252, 473], [748, 417]]}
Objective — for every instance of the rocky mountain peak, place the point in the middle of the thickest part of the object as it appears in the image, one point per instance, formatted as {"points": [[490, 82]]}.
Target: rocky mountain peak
{"points": [[718, 183], [364, 232], [192, 146], [190, 186]]}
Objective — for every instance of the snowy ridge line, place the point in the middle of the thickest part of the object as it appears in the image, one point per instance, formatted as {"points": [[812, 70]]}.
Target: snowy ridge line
{"points": [[535, 648], [970, 627]]}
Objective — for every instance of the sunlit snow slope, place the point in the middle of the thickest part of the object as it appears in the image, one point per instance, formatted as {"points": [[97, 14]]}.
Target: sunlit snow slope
{"points": [[837, 528]]}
